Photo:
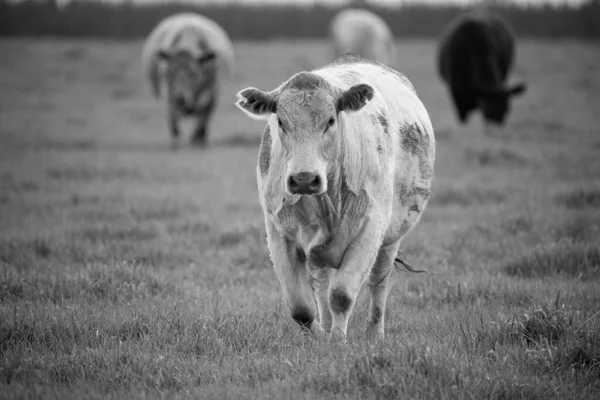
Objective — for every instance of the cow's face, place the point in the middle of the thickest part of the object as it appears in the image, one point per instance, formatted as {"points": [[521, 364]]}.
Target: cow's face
{"points": [[306, 110], [188, 76], [495, 104]]}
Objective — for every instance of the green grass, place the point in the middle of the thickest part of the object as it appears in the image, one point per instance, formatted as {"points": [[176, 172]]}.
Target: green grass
{"points": [[128, 270]]}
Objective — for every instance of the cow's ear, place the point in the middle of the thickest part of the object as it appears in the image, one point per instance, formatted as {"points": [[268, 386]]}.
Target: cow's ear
{"points": [[355, 98], [517, 89], [256, 103], [164, 55]]}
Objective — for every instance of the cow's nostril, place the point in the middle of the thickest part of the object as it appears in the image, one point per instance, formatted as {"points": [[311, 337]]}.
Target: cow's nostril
{"points": [[315, 184], [292, 184]]}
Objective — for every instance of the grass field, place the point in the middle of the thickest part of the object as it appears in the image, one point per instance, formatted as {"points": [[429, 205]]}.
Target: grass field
{"points": [[128, 270]]}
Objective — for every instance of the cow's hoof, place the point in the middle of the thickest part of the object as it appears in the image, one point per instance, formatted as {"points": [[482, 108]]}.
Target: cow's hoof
{"points": [[337, 336]]}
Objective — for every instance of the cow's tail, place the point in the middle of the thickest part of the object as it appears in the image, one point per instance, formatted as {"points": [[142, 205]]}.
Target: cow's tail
{"points": [[400, 260]]}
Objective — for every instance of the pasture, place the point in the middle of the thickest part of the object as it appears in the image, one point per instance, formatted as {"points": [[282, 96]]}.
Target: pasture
{"points": [[128, 270]]}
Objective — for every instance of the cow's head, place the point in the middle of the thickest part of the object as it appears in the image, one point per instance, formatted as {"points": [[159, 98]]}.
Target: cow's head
{"points": [[495, 102], [188, 75], [307, 113]]}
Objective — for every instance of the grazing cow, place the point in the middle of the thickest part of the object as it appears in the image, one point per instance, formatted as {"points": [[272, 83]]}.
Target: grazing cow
{"points": [[189, 53], [344, 172], [475, 55], [363, 33]]}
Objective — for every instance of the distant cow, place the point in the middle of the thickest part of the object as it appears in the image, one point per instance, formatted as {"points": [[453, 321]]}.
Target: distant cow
{"points": [[476, 54], [344, 172], [363, 33], [190, 54]]}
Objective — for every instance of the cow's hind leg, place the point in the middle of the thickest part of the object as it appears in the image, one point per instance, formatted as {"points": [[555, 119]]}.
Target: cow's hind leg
{"points": [[293, 277], [174, 129], [379, 287]]}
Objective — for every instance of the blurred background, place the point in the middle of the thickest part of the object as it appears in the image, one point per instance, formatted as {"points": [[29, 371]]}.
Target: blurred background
{"points": [[246, 19]]}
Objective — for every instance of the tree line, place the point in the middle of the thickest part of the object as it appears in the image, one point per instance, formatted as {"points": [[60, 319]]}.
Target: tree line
{"points": [[94, 18]]}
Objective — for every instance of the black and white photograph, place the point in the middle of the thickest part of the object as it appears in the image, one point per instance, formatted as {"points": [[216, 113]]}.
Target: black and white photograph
{"points": [[300, 199]]}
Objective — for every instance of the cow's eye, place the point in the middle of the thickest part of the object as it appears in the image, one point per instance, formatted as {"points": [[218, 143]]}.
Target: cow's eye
{"points": [[279, 123], [329, 123]]}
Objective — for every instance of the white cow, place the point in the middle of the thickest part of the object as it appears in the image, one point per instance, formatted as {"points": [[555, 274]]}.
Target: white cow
{"points": [[190, 54], [363, 33], [344, 172]]}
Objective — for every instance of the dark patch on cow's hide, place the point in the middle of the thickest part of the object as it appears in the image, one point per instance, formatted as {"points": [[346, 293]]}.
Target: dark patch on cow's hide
{"points": [[422, 192], [415, 208], [403, 191], [384, 123], [339, 301], [264, 154], [412, 139], [426, 170], [303, 316], [376, 317]]}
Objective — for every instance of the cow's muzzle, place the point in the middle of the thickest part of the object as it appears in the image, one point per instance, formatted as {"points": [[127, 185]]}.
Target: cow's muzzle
{"points": [[304, 183]]}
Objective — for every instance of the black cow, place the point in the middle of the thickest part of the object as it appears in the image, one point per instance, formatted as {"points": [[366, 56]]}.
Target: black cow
{"points": [[476, 53]]}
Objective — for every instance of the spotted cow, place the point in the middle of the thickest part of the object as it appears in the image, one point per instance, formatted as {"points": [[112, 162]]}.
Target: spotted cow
{"points": [[344, 173]]}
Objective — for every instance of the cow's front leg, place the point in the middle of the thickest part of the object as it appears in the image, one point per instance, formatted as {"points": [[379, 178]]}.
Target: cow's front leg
{"points": [[320, 284], [203, 117], [199, 135], [174, 128], [347, 280], [294, 279]]}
